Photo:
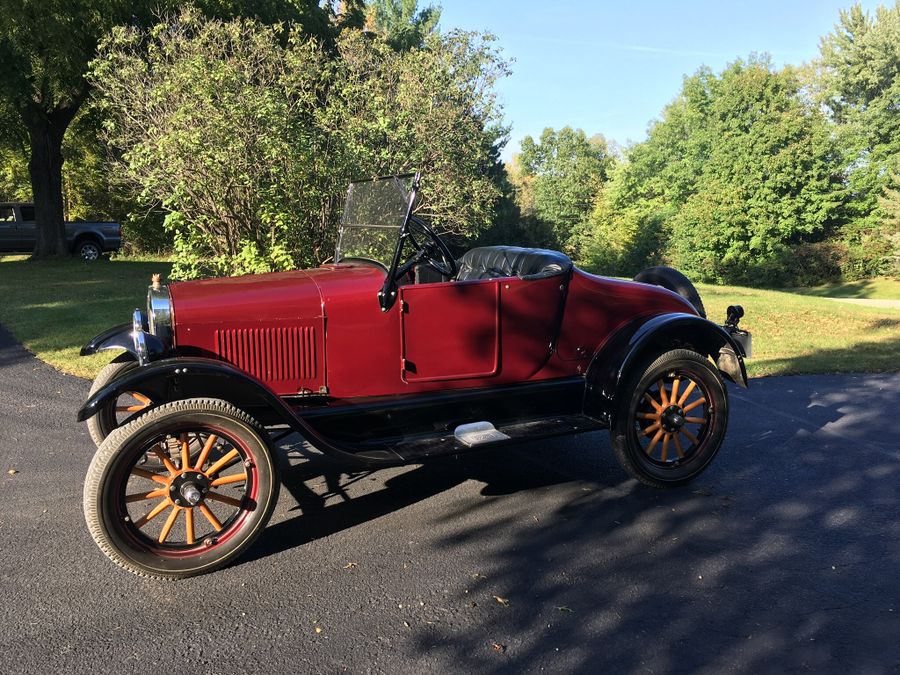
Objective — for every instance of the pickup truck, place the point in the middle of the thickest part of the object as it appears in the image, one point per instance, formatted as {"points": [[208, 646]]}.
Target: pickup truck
{"points": [[86, 240]]}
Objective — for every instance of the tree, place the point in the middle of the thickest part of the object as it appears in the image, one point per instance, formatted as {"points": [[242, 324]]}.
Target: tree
{"points": [[564, 171], [401, 23], [736, 175], [248, 138], [860, 85]]}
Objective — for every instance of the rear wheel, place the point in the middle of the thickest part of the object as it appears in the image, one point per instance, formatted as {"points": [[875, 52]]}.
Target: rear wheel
{"points": [[672, 419], [191, 516], [120, 410], [88, 249]]}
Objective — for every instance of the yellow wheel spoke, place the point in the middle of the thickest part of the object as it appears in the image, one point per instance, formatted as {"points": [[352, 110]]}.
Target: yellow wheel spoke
{"points": [[163, 457], [687, 392], [224, 480], [654, 441], [222, 463], [231, 501], [695, 420], [699, 401], [189, 525], [167, 527], [129, 408], [678, 447], [647, 416], [665, 447], [649, 430], [653, 402], [691, 437], [204, 453], [674, 395], [159, 508], [662, 394], [204, 509], [140, 397], [130, 499], [143, 473], [185, 453]]}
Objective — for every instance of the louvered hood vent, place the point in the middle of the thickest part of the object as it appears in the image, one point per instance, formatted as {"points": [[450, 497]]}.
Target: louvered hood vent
{"points": [[271, 354]]}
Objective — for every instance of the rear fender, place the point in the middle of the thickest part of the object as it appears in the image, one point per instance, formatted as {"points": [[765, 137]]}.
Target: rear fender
{"points": [[629, 346]]}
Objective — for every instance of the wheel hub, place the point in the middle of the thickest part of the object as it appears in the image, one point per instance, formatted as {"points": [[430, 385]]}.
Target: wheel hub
{"points": [[672, 418], [189, 488]]}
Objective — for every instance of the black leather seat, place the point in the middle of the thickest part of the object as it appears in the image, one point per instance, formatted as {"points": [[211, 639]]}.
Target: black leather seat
{"points": [[489, 262]]}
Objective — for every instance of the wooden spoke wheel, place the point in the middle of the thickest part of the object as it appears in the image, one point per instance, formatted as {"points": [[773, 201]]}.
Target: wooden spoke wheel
{"points": [[184, 516], [672, 419], [125, 408]]}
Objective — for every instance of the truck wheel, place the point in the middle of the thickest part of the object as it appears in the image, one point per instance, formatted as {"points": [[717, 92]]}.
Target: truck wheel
{"points": [[673, 280], [88, 249], [185, 520], [119, 411], [672, 419]]}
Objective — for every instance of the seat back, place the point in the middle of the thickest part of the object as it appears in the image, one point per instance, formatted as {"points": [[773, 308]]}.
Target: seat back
{"points": [[489, 262]]}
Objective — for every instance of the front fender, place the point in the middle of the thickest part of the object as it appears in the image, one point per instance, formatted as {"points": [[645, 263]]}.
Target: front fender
{"points": [[122, 337], [630, 345], [181, 378]]}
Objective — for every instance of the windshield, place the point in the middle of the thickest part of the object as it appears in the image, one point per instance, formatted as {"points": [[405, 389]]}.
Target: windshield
{"points": [[374, 212]]}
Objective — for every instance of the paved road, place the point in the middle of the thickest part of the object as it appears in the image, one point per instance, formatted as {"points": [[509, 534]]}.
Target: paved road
{"points": [[785, 555]]}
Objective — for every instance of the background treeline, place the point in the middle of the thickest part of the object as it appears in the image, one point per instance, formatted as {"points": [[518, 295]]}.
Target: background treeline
{"points": [[226, 132], [755, 175]]}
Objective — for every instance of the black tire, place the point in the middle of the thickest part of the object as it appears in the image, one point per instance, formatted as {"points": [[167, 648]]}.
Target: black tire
{"points": [[204, 543], [89, 250], [100, 425], [673, 280], [643, 431]]}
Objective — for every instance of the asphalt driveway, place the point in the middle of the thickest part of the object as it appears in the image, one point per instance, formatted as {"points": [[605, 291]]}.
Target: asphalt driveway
{"points": [[784, 556]]}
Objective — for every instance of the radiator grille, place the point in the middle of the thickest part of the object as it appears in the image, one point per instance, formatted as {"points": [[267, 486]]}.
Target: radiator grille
{"points": [[270, 354]]}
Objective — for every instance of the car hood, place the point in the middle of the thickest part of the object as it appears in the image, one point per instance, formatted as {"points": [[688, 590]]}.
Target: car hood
{"points": [[274, 297]]}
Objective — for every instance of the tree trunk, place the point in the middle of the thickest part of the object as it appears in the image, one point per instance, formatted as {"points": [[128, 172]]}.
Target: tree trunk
{"points": [[45, 167]]}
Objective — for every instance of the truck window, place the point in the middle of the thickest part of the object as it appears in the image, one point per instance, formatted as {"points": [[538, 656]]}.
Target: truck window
{"points": [[27, 213], [6, 214]]}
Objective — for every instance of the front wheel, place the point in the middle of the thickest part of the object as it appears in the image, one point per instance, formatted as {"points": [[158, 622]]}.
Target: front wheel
{"points": [[117, 411], [195, 513], [672, 419]]}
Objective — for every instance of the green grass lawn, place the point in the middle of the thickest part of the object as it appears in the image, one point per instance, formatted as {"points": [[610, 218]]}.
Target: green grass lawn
{"points": [[55, 307], [873, 289]]}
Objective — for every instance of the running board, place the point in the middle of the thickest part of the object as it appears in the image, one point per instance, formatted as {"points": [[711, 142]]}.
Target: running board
{"points": [[423, 446]]}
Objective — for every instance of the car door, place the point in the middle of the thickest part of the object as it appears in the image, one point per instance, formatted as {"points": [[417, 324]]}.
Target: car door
{"points": [[27, 233], [492, 331], [8, 230], [450, 330]]}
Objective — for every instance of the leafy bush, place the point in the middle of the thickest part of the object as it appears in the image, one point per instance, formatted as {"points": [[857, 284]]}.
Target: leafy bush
{"points": [[247, 135]]}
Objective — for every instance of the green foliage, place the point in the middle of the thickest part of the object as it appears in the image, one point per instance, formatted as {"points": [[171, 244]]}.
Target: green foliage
{"points": [[859, 83], [401, 23], [736, 175], [562, 173], [247, 136]]}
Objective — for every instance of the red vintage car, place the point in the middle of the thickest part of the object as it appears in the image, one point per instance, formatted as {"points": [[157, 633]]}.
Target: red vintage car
{"points": [[393, 354]]}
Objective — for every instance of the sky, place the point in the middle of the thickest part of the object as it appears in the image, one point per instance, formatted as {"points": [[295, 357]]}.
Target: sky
{"points": [[611, 66]]}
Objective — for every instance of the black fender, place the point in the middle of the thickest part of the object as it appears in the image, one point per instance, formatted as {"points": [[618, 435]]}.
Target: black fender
{"points": [[631, 344], [180, 378], [121, 337]]}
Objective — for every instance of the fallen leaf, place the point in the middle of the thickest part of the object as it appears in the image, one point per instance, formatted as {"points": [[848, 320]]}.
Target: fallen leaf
{"points": [[318, 629], [564, 609], [497, 647], [406, 623], [478, 575], [501, 601], [13, 472], [350, 565]]}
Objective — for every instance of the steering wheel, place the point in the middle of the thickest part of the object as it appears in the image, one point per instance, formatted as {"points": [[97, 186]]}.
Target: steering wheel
{"points": [[432, 251]]}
